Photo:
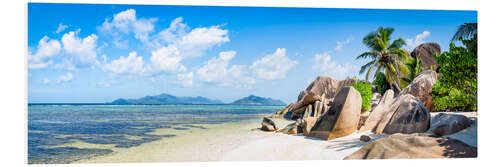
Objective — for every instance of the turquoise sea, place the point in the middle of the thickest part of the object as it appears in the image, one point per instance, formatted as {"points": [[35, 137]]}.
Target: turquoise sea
{"points": [[52, 127]]}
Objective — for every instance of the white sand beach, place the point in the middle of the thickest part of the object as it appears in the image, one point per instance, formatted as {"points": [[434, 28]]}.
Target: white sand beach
{"points": [[242, 141], [233, 142]]}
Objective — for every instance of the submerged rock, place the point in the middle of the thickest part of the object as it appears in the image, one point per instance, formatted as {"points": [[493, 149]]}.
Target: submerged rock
{"points": [[342, 118], [365, 138], [446, 124], [416, 145]]}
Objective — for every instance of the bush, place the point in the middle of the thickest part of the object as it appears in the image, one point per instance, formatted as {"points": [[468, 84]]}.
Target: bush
{"points": [[365, 89], [381, 83], [456, 90]]}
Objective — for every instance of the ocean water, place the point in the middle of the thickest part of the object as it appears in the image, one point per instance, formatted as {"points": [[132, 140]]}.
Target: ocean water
{"points": [[52, 128]]}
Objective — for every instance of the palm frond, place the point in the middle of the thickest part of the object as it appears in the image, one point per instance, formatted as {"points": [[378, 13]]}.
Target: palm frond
{"points": [[397, 44], [465, 31]]}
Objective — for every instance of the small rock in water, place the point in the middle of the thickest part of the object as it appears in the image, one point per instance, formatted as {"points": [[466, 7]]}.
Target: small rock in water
{"points": [[365, 138]]}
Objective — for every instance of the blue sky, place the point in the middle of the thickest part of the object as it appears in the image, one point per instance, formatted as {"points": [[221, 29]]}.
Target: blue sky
{"points": [[81, 53]]}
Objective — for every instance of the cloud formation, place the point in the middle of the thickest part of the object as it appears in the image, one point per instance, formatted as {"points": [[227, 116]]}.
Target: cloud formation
{"points": [[326, 66], [61, 28], [68, 77], [218, 71], [46, 49], [419, 39], [82, 52], [131, 65], [273, 66], [124, 23], [340, 44]]}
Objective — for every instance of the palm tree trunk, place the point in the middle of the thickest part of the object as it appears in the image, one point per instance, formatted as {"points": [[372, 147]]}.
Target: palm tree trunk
{"points": [[396, 89]]}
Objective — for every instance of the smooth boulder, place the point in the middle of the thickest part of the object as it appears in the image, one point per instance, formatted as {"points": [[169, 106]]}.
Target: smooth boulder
{"points": [[447, 124], [421, 87], [416, 145], [307, 124], [378, 112], [268, 125], [407, 115], [342, 117], [290, 128], [326, 85], [427, 51]]}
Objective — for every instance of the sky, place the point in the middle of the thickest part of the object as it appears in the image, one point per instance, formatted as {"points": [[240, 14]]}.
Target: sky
{"points": [[94, 53]]}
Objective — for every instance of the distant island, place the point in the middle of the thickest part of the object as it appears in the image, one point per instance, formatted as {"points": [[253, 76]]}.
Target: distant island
{"points": [[256, 100], [164, 98]]}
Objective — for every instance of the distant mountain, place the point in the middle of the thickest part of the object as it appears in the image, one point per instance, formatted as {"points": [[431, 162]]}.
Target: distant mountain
{"points": [[256, 100], [166, 99]]}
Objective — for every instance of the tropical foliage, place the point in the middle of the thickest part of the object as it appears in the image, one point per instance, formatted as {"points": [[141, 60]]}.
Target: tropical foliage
{"points": [[456, 90], [381, 83], [414, 66], [385, 56], [365, 89]]}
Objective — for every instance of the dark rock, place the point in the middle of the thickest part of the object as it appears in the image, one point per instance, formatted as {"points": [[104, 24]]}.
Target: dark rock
{"points": [[416, 145], [446, 124], [268, 125], [365, 138], [427, 51], [342, 118]]}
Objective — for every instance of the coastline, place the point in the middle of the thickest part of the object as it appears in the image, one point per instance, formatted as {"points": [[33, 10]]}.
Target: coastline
{"points": [[234, 141]]}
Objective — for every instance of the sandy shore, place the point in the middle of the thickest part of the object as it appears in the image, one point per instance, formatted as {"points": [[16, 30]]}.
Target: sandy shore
{"points": [[233, 142], [241, 141]]}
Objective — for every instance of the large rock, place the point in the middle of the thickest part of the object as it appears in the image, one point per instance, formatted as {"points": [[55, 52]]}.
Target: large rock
{"points": [[421, 86], [446, 124], [325, 85], [268, 125], [378, 112], [342, 118], [308, 98], [427, 51], [407, 115], [290, 128], [416, 145], [307, 124]]}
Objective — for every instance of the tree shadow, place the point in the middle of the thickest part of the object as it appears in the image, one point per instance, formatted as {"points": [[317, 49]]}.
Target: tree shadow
{"points": [[457, 149]]}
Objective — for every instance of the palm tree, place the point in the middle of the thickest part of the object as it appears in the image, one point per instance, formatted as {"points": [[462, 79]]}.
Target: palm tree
{"points": [[465, 31], [387, 56], [414, 66]]}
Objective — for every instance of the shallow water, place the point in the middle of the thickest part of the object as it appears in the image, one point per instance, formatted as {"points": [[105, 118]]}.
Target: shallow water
{"points": [[53, 128]]}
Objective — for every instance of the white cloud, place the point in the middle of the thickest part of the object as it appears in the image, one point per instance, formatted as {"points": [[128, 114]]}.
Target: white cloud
{"points": [[82, 52], [186, 80], [68, 77], [273, 66], [126, 22], [340, 44], [103, 85], [176, 30], [199, 40], [47, 48], [326, 66], [166, 59], [61, 28], [46, 80], [419, 39], [217, 70], [131, 65]]}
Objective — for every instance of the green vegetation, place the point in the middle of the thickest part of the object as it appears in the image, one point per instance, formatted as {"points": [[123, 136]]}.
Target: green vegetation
{"points": [[365, 89], [414, 66], [385, 55], [381, 83], [456, 90]]}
